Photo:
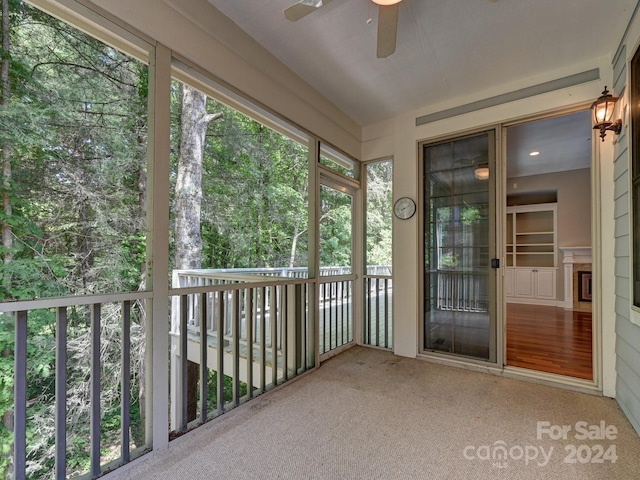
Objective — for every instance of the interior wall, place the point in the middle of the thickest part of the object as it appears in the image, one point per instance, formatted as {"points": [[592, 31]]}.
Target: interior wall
{"points": [[573, 211]]}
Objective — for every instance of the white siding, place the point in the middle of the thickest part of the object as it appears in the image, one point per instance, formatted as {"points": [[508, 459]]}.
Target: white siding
{"points": [[628, 334]]}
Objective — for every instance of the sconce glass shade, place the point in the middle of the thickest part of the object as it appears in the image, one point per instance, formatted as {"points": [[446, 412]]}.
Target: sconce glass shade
{"points": [[603, 109], [481, 173], [386, 2]]}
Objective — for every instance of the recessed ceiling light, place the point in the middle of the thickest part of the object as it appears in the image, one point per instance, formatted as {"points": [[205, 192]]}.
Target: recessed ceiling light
{"points": [[534, 153]]}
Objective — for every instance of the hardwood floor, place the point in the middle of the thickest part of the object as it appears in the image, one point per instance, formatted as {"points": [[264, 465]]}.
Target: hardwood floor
{"points": [[550, 339]]}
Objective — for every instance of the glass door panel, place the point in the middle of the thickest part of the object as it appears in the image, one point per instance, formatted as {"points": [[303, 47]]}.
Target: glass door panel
{"points": [[336, 268], [459, 239]]}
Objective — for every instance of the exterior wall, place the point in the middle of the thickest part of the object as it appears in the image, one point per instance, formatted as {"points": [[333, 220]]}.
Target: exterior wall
{"points": [[574, 212], [399, 137], [627, 316], [195, 30]]}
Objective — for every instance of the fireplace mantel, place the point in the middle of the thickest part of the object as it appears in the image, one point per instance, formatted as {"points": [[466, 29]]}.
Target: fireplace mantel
{"points": [[571, 256]]}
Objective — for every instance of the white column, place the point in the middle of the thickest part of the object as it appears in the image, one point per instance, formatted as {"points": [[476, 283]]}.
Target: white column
{"points": [[572, 255]]}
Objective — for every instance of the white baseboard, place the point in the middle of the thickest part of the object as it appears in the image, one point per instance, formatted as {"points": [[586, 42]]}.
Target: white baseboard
{"points": [[535, 301]]}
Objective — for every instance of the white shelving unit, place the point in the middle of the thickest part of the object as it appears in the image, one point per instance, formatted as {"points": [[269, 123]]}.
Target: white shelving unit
{"points": [[531, 254]]}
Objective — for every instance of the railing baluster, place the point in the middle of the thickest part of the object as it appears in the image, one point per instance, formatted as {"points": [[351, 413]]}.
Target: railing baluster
{"points": [[20, 397], [273, 319], [235, 336], [184, 313], [386, 313], [263, 340], [323, 303], [125, 381], [61, 393], [248, 320], [95, 390], [284, 329], [371, 313], [349, 311], [204, 351], [333, 330], [220, 347], [375, 306]]}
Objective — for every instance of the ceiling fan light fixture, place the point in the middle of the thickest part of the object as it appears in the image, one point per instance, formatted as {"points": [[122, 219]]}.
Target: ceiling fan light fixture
{"points": [[386, 2], [481, 173]]}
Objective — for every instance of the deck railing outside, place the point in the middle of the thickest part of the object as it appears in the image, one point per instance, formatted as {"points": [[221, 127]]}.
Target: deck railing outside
{"points": [[259, 333], [243, 338], [107, 320], [462, 291]]}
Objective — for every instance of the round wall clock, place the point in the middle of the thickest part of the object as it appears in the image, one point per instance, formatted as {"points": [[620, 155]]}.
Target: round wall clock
{"points": [[404, 208]]}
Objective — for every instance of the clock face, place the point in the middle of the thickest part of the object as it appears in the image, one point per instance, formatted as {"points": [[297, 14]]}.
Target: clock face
{"points": [[404, 208]]}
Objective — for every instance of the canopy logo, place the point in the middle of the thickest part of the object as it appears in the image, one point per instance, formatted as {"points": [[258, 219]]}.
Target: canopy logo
{"points": [[499, 453]]}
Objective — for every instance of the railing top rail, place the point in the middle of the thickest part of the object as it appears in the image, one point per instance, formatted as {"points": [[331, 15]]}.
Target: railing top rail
{"points": [[54, 302], [238, 286], [336, 278], [225, 273]]}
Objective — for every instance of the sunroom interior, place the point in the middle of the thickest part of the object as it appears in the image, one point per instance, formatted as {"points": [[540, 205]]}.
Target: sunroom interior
{"points": [[257, 177]]}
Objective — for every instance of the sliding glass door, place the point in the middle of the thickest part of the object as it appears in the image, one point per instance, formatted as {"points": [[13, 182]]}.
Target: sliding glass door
{"points": [[459, 245]]}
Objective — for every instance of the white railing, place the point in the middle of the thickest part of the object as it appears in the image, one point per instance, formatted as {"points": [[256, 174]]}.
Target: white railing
{"points": [[254, 335], [462, 291]]}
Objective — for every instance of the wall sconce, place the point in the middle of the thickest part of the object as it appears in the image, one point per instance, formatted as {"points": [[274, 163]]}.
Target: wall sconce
{"points": [[481, 173], [603, 109]]}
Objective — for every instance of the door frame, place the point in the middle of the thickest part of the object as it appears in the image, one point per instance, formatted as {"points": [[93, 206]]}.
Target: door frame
{"points": [[330, 179], [596, 215], [496, 280]]}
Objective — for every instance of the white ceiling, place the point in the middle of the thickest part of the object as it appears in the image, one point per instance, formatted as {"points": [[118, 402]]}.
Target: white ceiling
{"points": [[564, 143], [446, 48]]}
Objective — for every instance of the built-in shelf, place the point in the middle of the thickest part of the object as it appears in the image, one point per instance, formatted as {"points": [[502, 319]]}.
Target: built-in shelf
{"points": [[531, 235], [531, 254]]}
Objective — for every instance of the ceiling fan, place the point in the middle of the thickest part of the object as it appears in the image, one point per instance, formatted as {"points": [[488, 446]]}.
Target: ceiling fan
{"points": [[387, 20]]}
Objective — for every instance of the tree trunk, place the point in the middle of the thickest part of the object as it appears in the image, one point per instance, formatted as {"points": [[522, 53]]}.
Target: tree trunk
{"points": [[188, 200], [7, 238]]}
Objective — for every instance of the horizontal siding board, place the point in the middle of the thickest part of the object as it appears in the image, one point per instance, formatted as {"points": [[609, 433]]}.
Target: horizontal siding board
{"points": [[628, 402], [621, 165], [622, 268], [620, 57], [621, 185], [619, 78], [622, 286], [621, 227], [621, 138], [622, 247], [631, 357], [623, 309], [630, 375], [621, 205], [623, 220], [619, 70], [630, 334], [621, 153]]}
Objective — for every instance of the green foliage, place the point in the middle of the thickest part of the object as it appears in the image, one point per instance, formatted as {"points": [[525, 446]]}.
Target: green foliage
{"points": [[212, 390], [75, 126], [378, 231], [255, 186]]}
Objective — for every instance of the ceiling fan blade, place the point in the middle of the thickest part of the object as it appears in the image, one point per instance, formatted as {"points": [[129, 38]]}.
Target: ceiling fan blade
{"points": [[303, 8], [387, 29]]}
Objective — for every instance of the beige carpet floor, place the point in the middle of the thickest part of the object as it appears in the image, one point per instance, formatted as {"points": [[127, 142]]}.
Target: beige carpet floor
{"points": [[367, 414]]}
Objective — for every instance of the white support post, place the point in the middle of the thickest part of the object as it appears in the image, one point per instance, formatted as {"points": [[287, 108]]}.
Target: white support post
{"points": [[158, 247]]}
